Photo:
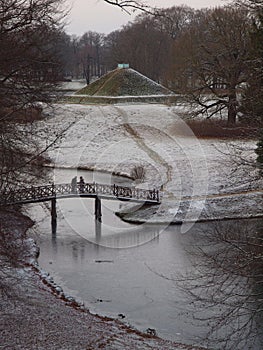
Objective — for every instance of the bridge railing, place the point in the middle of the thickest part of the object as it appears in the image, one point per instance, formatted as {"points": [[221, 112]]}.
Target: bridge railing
{"points": [[38, 193]]}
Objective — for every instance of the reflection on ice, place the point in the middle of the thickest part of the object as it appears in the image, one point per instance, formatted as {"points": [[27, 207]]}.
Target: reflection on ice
{"points": [[140, 283]]}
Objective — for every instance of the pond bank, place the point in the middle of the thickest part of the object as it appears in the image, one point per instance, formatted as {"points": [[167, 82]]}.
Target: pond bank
{"points": [[34, 317], [225, 206]]}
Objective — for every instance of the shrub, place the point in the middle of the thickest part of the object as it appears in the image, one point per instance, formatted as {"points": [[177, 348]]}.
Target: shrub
{"points": [[138, 173]]}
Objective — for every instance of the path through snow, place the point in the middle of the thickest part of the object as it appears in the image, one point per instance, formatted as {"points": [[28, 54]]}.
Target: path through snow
{"points": [[197, 175]]}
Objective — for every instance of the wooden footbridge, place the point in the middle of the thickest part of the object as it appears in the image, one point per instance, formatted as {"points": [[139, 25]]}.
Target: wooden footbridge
{"points": [[53, 192]]}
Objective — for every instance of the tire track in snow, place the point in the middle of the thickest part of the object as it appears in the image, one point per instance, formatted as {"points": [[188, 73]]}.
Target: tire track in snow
{"points": [[160, 160], [143, 146]]}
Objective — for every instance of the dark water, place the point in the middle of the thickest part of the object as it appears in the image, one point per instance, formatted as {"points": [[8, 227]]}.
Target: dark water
{"points": [[123, 270]]}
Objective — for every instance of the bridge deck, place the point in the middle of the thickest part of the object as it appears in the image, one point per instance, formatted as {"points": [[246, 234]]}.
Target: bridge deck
{"points": [[89, 190]]}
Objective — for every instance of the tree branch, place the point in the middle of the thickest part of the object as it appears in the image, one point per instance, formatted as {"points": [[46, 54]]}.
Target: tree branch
{"points": [[133, 5]]}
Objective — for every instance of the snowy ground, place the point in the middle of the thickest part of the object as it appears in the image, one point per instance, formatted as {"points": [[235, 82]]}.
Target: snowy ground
{"points": [[35, 319], [200, 179]]}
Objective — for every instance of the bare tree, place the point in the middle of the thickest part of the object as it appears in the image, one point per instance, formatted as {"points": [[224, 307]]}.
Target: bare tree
{"points": [[89, 54], [28, 63], [132, 5], [253, 5], [226, 287], [214, 60], [30, 68], [175, 20], [253, 97], [144, 44]]}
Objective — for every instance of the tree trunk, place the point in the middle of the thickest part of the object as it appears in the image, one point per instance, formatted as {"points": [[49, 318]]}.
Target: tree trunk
{"points": [[87, 72], [232, 110]]}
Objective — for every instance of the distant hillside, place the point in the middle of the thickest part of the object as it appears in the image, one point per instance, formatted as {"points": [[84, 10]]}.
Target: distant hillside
{"points": [[124, 82]]}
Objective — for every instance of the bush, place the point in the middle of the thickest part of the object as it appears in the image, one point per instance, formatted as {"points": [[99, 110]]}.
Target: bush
{"points": [[138, 173]]}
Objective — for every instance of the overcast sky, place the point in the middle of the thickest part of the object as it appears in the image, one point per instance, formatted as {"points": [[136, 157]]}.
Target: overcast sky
{"points": [[96, 15]]}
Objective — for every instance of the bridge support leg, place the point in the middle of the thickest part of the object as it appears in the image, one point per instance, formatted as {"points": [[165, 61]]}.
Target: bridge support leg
{"points": [[53, 215], [98, 213]]}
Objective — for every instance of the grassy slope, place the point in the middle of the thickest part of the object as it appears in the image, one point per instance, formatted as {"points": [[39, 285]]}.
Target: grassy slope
{"points": [[123, 82]]}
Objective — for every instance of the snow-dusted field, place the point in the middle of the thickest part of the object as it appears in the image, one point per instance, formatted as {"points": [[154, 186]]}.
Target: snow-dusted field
{"points": [[200, 179]]}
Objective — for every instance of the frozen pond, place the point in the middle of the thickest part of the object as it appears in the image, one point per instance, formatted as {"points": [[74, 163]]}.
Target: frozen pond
{"points": [[118, 269]]}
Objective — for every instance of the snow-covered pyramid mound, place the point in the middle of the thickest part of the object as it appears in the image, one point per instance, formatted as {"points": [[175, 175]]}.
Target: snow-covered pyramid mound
{"points": [[124, 82]]}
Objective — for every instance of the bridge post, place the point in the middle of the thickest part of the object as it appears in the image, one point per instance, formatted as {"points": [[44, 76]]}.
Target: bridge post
{"points": [[157, 196], [98, 213], [53, 214]]}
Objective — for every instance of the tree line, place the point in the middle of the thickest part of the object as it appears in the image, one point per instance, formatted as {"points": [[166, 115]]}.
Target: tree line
{"points": [[209, 55], [212, 57]]}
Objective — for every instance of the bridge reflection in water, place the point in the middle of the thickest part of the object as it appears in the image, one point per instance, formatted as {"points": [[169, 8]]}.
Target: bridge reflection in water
{"points": [[101, 236]]}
